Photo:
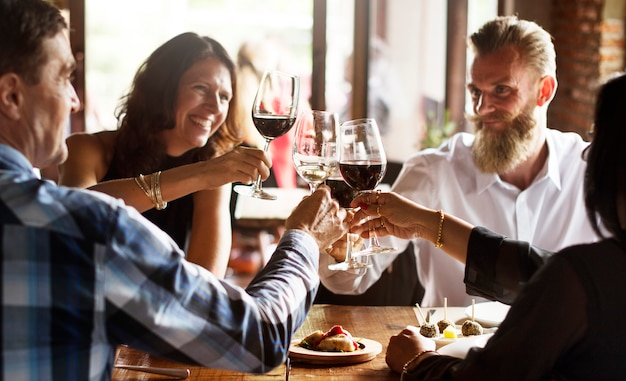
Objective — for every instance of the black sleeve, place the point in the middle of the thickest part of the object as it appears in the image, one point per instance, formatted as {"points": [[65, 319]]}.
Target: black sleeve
{"points": [[497, 267], [525, 346]]}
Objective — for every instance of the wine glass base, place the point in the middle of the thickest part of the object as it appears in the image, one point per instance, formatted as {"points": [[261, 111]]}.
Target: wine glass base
{"points": [[247, 190], [374, 251], [346, 266]]}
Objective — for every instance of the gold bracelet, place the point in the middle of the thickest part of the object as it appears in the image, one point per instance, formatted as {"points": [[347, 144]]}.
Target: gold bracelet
{"points": [[159, 204], [438, 243], [152, 189], [143, 185], [406, 366]]}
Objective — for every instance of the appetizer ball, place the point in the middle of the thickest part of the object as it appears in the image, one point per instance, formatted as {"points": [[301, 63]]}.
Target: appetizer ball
{"points": [[471, 328], [429, 330], [443, 324]]}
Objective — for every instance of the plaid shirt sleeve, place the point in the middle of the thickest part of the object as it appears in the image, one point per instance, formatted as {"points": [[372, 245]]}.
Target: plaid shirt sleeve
{"points": [[158, 302]]}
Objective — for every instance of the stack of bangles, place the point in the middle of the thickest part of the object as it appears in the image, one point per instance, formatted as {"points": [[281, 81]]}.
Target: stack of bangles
{"points": [[152, 188]]}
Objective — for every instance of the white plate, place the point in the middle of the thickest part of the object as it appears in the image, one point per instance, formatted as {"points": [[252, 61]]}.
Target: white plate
{"points": [[488, 314], [459, 348], [441, 341], [370, 349]]}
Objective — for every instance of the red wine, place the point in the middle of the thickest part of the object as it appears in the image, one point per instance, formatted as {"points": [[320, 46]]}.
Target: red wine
{"points": [[342, 192], [362, 175], [272, 126]]}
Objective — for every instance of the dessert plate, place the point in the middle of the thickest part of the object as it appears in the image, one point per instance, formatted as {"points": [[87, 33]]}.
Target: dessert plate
{"points": [[369, 349]]}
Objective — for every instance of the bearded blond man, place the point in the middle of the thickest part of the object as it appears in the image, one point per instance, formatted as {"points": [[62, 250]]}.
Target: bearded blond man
{"points": [[514, 175]]}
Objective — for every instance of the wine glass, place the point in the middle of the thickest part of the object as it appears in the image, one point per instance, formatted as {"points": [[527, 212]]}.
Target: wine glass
{"points": [[273, 113], [344, 194], [363, 163], [314, 147]]}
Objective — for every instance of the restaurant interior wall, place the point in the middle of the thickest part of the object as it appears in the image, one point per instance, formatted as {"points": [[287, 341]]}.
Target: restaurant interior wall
{"points": [[589, 40]]}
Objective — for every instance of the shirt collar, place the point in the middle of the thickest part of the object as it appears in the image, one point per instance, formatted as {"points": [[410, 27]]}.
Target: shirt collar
{"points": [[13, 160], [485, 180]]}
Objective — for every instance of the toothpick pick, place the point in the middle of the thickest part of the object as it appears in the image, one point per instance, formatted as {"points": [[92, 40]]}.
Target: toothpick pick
{"points": [[445, 308], [473, 302], [419, 310]]}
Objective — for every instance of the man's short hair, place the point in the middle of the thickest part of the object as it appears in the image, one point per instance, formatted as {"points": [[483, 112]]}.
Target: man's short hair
{"points": [[532, 41], [24, 24]]}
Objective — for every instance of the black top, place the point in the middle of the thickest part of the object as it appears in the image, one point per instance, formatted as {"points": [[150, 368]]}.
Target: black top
{"points": [[567, 322], [176, 219]]}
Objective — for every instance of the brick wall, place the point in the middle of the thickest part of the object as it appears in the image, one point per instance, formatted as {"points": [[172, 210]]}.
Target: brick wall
{"points": [[589, 49]]}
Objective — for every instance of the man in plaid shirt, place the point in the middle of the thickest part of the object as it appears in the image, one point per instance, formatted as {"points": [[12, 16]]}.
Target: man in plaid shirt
{"points": [[82, 273]]}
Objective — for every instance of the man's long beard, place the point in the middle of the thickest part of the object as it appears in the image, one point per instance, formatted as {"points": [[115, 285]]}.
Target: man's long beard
{"points": [[499, 151]]}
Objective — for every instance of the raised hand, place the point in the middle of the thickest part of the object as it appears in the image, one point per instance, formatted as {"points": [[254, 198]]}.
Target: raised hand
{"points": [[391, 214], [320, 216], [242, 164]]}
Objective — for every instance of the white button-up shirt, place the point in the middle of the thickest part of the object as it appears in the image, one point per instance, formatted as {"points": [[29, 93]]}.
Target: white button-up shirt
{"points": [[550, 213]]}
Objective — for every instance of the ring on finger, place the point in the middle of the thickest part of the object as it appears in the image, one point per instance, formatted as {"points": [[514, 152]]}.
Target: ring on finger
{"points": [[377, 194], [382, 223], [378, 210]]}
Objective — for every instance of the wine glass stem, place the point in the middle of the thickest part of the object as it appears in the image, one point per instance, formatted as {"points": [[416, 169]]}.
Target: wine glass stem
{"points": [[257, 183], [374, 238], [348, 249]]}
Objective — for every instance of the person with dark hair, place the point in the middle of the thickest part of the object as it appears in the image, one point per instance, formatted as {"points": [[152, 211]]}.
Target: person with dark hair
{"points": [[83, 273], [174, 155], [566, 317], [514, 174]]}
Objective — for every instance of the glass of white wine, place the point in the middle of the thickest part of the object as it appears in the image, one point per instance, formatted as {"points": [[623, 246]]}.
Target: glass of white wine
{"points": [[315, 146]]}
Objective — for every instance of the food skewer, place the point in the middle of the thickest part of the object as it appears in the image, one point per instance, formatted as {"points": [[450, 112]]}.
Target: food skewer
{"points": [[419, 310], [445, 323], [471, 327], [427, 329]]}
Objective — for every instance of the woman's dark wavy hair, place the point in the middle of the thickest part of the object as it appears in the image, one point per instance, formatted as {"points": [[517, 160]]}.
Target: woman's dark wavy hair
{"points": [[150, 107], [605, 176], [24, 24]]}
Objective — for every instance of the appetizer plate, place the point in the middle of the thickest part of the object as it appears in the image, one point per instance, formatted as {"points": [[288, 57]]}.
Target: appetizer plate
{"points": [[488, 314], [368, 351], [460, 347]]}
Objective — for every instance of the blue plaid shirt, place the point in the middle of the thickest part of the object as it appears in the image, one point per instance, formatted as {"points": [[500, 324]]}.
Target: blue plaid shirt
{"points": [[82, 273]]}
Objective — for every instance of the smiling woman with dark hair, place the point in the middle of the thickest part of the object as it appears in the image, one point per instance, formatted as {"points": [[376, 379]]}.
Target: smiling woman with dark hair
{"points": [[173, 156]]}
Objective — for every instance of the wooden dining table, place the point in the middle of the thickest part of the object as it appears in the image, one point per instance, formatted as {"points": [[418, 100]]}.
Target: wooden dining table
{"points": [[374, 323]]}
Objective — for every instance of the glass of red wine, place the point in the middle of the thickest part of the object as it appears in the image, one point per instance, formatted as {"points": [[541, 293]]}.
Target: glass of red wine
{"points": [[273, 112], [344, 193], [362, 162]]}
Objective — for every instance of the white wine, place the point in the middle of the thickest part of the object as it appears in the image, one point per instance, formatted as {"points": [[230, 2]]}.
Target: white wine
{"points": [[315, 173]]}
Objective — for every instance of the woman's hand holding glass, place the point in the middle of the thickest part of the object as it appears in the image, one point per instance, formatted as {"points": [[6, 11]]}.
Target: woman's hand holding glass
{"points": [[389, 214]]}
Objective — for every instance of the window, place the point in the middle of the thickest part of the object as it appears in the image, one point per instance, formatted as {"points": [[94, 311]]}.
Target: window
{"points": [[407, 52], [121, 34]]}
